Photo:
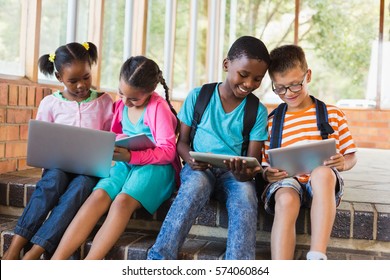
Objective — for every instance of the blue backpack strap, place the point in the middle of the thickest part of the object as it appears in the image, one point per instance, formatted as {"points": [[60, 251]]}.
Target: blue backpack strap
{"points": [[322, 118], [250, 115], [277, 125], [201, 103]]}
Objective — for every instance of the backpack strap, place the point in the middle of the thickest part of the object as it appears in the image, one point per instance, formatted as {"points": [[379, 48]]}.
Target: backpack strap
{"points": [[250, 115], [277, 125], [322, 118], [201, 103]]}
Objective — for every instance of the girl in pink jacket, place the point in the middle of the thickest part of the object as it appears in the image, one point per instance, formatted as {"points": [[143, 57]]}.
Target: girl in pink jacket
{"points": [[139, 178]]}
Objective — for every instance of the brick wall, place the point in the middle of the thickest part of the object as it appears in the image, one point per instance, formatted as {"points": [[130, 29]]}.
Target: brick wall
{"points": [[19, 101]]}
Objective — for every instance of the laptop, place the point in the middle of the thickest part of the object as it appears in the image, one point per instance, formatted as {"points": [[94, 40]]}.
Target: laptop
{"points": [[72, 149], [302, 158]]}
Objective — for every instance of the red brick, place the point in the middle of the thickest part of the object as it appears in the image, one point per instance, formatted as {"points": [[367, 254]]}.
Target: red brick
{"points": [[13, 95], [22, 164], [23, 132], [22, 99], [34, 113], [31, 96], [46, 91], [2, 150], [2, 115], [38, 96], [15, 149], [7, 165], [18, 115], [9, 132], [3, 94]]}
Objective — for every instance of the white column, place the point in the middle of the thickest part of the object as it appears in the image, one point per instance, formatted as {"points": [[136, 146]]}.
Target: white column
{"points": [[169, 41], [221, 54], [72, 21], [192, 44], [233, 21], [127, 44], [213, 17]]}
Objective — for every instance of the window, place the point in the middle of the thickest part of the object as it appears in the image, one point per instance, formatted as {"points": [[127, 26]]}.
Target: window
{"points": [[113, 40], [270, 21], [55, 30], [338, 38], [11, 49]]}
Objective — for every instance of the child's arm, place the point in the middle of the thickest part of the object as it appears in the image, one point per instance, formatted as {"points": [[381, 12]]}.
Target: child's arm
{"points": [[183, 148], [342, 163]]}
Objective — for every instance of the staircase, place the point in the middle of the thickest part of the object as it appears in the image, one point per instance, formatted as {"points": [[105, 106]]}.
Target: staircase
{"points": [[361, 230]]}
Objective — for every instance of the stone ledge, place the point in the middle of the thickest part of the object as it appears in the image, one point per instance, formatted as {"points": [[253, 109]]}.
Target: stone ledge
{"points": [[353, 220], [134, 245]]}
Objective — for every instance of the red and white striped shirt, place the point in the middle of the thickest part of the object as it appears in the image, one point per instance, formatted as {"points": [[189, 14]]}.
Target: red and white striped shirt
{"points": [[301, 127]]}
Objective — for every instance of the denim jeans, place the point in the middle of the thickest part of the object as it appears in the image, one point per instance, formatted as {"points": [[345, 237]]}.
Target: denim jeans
{"points": [[61, 193], [195, 191]]}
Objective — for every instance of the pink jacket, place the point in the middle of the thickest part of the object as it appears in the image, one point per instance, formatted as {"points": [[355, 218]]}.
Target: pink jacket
{"points": [[162, 123], [96, 114]]}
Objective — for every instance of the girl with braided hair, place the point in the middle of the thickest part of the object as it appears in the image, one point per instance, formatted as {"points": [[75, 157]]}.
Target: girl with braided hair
{"points": [[139, 178]]}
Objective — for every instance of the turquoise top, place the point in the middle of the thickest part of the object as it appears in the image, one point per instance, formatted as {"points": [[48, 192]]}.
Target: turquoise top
{"points": [[220, 132], [131, 129]]}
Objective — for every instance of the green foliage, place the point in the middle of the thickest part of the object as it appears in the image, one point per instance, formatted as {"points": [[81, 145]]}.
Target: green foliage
{"points": [[10, 21], [341, 35]]}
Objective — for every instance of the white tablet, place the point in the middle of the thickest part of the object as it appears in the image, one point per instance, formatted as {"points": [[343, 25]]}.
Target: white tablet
{"points": [[217, 160], [135, 143], [303, 158]]}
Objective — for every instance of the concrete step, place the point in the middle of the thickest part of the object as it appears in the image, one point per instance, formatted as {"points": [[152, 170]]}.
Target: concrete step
{"points": [[134, 245], [361, 230]]}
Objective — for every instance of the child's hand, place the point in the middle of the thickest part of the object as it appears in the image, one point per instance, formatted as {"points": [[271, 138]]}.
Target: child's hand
{"points": [[121, 154], [198, 165], [240, 169], [273, 175], [337, 161]]}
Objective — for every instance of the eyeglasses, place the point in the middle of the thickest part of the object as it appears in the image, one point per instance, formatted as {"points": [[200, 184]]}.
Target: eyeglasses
{"points": [[281, 90]]}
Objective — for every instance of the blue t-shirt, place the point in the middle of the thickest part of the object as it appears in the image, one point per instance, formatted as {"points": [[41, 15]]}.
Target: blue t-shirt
{"points": [[219, 132]]}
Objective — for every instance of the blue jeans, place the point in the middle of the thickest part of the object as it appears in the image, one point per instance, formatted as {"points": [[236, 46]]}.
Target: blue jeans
{"points": [[61, 193], [194, 192]]}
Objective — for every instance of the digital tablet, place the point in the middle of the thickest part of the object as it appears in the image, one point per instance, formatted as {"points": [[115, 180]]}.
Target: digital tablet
{"points": [[302, 158], [217, 160], [135, 143]]}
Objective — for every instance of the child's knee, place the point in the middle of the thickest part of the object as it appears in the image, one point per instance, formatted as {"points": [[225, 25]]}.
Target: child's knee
{"points": [[323, 173], [99, 195], [286, 199]]}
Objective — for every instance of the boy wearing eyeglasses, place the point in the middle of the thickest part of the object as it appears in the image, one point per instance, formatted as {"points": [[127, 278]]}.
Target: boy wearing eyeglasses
{"points": [[322, 189]]}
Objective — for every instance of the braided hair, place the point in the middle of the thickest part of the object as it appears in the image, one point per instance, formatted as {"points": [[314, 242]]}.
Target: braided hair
{"points": [[142, 72]]}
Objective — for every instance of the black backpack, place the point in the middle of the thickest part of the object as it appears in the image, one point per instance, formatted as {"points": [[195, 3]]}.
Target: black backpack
{"points": [[279, 113], [250, 113]]}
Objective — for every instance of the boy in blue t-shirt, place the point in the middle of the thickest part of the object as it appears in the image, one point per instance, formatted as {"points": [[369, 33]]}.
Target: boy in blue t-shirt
{"points": [[220, 132]]}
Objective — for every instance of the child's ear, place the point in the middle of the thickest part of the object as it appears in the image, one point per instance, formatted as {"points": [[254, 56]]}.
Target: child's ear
{"points": [[58, 76], [308, 76], [225, 64]]}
